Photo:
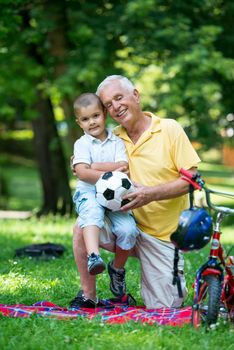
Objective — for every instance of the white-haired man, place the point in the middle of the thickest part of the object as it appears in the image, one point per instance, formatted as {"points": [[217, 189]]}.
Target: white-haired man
{"points": [[157, 149]]}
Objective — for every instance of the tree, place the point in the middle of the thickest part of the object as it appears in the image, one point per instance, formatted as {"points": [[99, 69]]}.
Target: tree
{"points": [[180, 55], [48, 149], [43, 59], [173, 50]]}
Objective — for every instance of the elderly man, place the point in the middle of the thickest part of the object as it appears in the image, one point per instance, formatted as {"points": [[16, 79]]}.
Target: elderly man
{"points": [[157, 149]]}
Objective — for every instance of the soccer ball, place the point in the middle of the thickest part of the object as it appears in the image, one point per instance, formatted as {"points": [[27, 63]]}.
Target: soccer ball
{"points": [[110, 189]]}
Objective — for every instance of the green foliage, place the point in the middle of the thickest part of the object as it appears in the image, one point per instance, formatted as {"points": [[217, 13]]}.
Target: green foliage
{"points": [[70, 46], [181, 41], [180, 55]]}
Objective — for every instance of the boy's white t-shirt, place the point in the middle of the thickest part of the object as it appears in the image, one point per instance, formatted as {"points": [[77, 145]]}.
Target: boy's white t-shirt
{"points": [[88, 150]]}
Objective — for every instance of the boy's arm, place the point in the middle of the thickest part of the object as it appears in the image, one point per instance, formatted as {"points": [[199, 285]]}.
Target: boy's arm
{"points": [[85, 173], [120, 159], [91, 173], [110, 166]]}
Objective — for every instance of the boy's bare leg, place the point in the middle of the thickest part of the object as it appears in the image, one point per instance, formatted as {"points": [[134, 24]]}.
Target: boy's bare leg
{"points": [[87, 281], [91, 239], [120, 258]]}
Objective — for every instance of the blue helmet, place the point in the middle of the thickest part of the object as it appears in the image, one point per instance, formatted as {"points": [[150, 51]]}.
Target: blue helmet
{"points": [[194, 230]]}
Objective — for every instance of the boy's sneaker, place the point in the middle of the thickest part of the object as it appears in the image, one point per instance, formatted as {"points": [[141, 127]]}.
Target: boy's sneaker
{"points": [[95, 264], [117, 280], [81, 301]]}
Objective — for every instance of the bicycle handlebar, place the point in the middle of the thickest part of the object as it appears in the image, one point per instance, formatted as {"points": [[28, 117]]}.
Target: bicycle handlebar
{"points": [[198, 183]]}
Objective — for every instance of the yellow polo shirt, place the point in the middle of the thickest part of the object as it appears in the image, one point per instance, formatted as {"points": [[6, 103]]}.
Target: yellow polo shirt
{"points": [[156, 158]]}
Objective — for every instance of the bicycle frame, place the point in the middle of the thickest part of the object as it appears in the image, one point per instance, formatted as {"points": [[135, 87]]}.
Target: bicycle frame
{"points": [[211, 266], [214, 273]]}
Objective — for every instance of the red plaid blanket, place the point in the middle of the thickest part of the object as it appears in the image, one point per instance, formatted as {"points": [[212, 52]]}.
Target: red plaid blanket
{"points": [[109, 313]]}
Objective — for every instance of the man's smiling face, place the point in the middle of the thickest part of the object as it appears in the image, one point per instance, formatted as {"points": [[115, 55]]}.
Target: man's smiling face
{"points": [[120, 102]]}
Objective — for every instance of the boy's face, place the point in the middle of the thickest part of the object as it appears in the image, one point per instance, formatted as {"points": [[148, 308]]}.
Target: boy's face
{"points": [[92, 120]]}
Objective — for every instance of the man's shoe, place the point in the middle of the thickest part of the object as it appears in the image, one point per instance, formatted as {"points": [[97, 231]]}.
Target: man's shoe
{"points": [[117, 280], [80, 301], [95, 264]]}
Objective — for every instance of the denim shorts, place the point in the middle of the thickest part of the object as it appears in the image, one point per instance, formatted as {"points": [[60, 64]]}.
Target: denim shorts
{"points": [[91, 213]]}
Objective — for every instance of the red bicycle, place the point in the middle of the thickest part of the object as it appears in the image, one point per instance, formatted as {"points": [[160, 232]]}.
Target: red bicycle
{"points": [[214, 282]]}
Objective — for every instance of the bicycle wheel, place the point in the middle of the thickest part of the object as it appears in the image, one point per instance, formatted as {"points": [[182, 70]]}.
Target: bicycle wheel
{"points": [[207, 309]]}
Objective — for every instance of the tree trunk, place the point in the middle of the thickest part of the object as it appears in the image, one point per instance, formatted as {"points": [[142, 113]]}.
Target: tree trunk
{"points": [[58, 49], [50, 157], [48, 147]]}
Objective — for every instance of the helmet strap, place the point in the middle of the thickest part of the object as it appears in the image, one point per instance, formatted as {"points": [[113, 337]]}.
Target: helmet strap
{"points": [[191, 196], [176, 277]]}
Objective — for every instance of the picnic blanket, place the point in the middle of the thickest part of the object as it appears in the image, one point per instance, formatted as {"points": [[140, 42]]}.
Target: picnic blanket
{"points": [[111, 313]]}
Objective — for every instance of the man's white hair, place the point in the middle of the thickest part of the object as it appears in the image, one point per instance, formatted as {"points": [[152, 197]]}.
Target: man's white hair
{"points": [[125, 82]]}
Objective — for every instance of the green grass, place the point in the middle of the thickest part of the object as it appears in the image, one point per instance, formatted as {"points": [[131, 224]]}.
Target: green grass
{"points": [[218, 176], [28, 281], [22, 183]]}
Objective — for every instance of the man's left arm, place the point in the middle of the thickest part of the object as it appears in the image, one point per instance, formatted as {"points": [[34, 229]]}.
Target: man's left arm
{"points": [[184, 156], [146, 194]]}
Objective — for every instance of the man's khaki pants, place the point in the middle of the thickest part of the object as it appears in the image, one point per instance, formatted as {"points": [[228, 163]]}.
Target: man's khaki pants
{"points": [[157, 266]]}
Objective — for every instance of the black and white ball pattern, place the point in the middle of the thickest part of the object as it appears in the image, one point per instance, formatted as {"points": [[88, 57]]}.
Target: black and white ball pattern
{"points": [[110, 189]]}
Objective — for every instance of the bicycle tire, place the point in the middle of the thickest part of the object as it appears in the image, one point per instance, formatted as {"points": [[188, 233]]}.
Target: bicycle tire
{"points": [[207, 309]]}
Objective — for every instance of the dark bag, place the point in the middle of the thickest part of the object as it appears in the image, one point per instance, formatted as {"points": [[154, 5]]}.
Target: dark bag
{"points": [[43, 250]]}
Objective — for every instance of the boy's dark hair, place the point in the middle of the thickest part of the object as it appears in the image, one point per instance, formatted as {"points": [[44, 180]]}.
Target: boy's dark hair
{"points": [[85, 100]]}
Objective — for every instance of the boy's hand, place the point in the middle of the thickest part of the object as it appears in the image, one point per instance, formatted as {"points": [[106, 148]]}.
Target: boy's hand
{"points": [[124, 169]]}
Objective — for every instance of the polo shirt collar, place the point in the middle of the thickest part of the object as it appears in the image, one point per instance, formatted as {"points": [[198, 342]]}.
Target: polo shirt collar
{"points": [[110, 136], [155, 126]]}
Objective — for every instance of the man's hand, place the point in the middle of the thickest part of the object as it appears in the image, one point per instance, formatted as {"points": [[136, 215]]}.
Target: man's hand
{"points": [[146, 194], [141, 196], [72, 166]]}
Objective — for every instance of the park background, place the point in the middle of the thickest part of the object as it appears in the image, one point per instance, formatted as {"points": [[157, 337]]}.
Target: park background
{"points": [[180, 55]]}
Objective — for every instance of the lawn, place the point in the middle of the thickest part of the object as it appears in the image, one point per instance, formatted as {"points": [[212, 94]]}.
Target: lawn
{"points": [[28, 281]]}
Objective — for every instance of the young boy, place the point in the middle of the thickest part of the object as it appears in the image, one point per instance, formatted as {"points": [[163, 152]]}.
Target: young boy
{"points": [[96, 152]]}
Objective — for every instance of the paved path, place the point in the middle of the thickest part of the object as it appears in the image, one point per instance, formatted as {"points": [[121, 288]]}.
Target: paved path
{"points": [[13, 214]]}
